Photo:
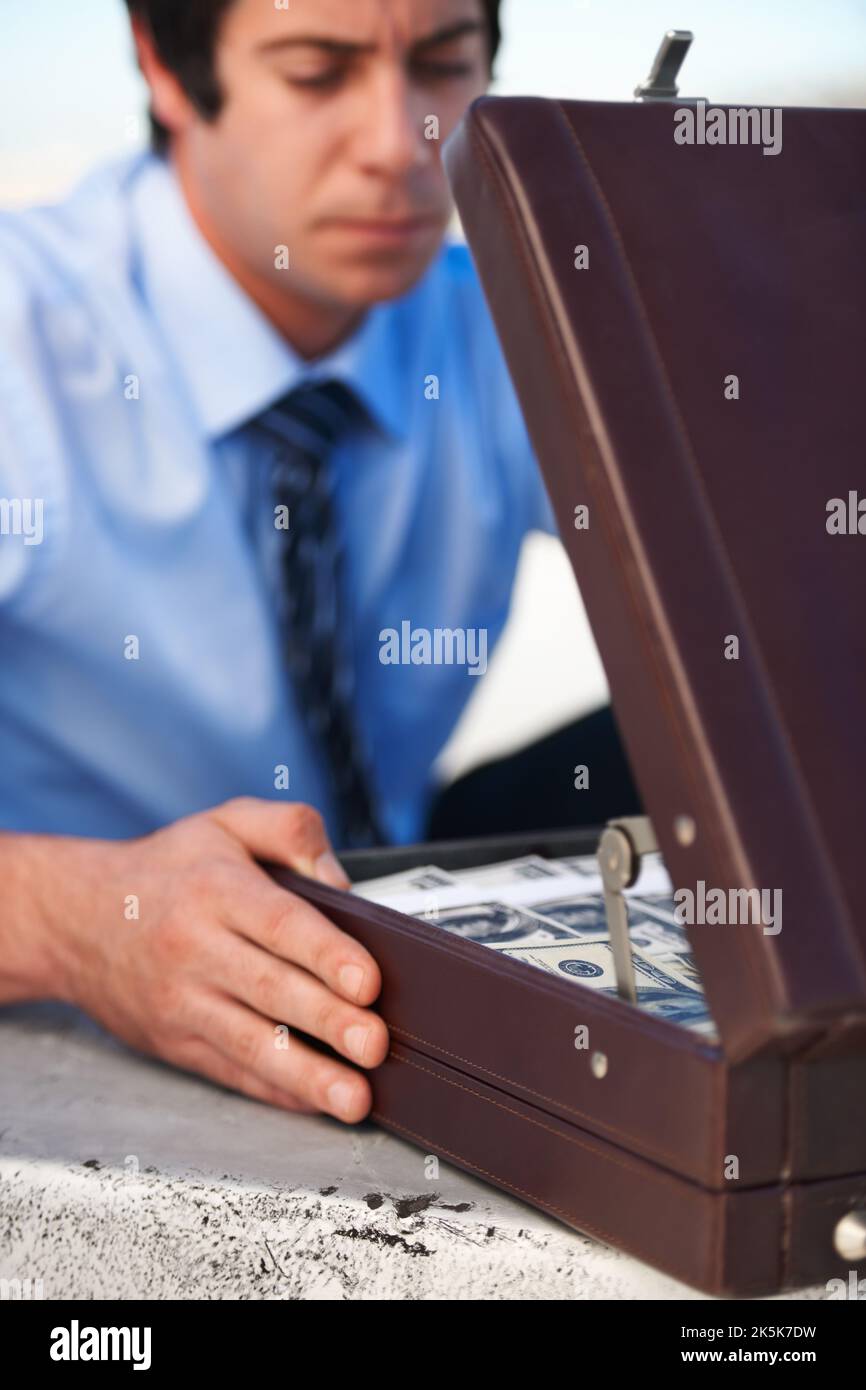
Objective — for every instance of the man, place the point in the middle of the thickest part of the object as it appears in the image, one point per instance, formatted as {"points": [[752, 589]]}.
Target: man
{"points": [[253, 415]]}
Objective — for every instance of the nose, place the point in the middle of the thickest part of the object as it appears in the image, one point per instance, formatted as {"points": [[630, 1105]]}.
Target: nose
{"points": [[391, 137]]}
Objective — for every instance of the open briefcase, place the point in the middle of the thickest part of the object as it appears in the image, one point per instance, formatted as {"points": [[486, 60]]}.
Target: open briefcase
{"points": [[715, 511]]}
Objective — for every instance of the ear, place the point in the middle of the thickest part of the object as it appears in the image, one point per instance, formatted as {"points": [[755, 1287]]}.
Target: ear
{"points": [[168, 101]]}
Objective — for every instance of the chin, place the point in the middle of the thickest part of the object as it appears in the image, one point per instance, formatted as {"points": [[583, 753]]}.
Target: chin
{"points": [[372, 281], [376, 289]]}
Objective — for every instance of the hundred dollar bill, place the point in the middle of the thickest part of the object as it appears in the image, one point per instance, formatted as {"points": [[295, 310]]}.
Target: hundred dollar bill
{"points": [[591, 962], [662, 906], [532, 881], [511, 881], [415, 891], [527, 866], [524, 881], [573, 924], [504, 924], [662, 992], [516, 881], [497, 924], [661, 941], [668, 986], [586, 865], [706, 1026], [655, 934], [682, 963], [583, 914], [424, 876], [653, 877]]}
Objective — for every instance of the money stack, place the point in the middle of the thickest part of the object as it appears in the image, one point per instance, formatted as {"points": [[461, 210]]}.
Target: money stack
{"points": [[550, 913]]}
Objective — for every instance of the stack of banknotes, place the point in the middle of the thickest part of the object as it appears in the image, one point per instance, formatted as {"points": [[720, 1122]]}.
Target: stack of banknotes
{"points": [[550, 914]]}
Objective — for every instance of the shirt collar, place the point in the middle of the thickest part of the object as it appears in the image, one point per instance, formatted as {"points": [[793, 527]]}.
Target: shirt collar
{"points": [[234, 362]]}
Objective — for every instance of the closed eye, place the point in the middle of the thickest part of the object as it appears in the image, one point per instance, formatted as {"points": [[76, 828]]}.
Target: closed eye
{"points": [[425, 69], [444, 70], [322, 80]]}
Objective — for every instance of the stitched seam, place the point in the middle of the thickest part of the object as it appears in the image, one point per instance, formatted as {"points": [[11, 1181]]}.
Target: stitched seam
{"points": [[836, 1201], [794, 1091], [527, 1119], [571, 1109], [720, 1096], [795, 1094]]}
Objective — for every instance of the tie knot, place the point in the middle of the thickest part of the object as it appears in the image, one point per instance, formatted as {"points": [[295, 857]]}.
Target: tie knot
{"points": [[313, 416]]}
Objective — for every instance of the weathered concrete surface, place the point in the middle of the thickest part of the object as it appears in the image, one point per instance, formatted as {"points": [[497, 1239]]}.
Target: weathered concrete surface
{"points": [[122, 1178]]}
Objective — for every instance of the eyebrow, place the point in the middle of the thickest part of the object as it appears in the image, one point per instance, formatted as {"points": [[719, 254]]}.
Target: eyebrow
{"points": [[345, 48]]}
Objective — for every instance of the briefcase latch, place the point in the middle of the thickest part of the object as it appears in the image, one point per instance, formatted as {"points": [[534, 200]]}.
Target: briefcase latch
{"points": [[622, 845]]}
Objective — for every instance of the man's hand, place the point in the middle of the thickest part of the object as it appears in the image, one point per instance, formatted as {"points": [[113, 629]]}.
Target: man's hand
{"points": [[219, 961]]}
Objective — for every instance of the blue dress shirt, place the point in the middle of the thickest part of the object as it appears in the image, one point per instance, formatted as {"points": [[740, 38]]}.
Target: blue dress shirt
{"points": [[141, 671]]}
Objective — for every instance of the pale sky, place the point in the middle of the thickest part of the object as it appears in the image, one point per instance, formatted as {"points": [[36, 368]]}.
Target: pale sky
{"points": [[69, 93]]}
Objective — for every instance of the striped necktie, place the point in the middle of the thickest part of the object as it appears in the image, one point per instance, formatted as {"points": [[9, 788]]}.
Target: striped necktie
{"points": [[303, 429]]}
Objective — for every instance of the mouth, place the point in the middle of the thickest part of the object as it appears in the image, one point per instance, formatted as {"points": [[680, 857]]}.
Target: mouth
{"points": [[391, 230]]}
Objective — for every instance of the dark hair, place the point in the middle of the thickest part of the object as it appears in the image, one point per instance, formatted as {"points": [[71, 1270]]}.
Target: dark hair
{"points": [[185, 34]]}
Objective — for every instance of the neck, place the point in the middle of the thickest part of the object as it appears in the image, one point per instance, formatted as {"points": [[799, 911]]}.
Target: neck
{"points": [[312, 327]]}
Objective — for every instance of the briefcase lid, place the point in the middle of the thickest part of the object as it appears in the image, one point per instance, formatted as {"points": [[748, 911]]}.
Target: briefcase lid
{"points": [[685, 324]]}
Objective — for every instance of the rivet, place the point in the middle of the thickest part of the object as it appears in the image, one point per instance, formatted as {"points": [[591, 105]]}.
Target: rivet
{"points": [[598, 1062], [849, 1237], [685, 830]]}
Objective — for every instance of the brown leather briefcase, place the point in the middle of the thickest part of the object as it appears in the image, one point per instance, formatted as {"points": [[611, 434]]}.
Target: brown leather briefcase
{"points": [[686, 328]]}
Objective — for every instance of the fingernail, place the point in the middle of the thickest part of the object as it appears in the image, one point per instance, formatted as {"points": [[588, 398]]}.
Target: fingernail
{"points": [[329, 870], [351, 979], [356, 1039], [341, 1098]]}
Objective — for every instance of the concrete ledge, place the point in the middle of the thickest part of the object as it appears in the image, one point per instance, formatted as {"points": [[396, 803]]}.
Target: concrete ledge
{"points": [[123, 1178]]}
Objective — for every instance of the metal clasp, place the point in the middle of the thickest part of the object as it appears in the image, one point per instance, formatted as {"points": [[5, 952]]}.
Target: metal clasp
{"points": [[661, 84], [620, 849]]}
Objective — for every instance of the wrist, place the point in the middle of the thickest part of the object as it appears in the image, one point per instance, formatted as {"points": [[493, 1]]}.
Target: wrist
{"points": [[58, 889]]}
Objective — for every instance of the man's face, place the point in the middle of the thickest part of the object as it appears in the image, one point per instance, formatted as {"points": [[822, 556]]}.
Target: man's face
{"points": [[322, 144]]}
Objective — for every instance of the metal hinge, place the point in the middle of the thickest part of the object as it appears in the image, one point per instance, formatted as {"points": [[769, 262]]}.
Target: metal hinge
{"points": [[623, 843]]}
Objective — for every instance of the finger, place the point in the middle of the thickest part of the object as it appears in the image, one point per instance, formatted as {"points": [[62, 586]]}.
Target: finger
{"points": [[294, 930], [199, 1056], [286, 994], [289, 833], [265, 1049]]}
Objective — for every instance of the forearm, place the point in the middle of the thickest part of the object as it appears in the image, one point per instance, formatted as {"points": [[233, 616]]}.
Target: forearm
{"points": [[50, 887]]}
